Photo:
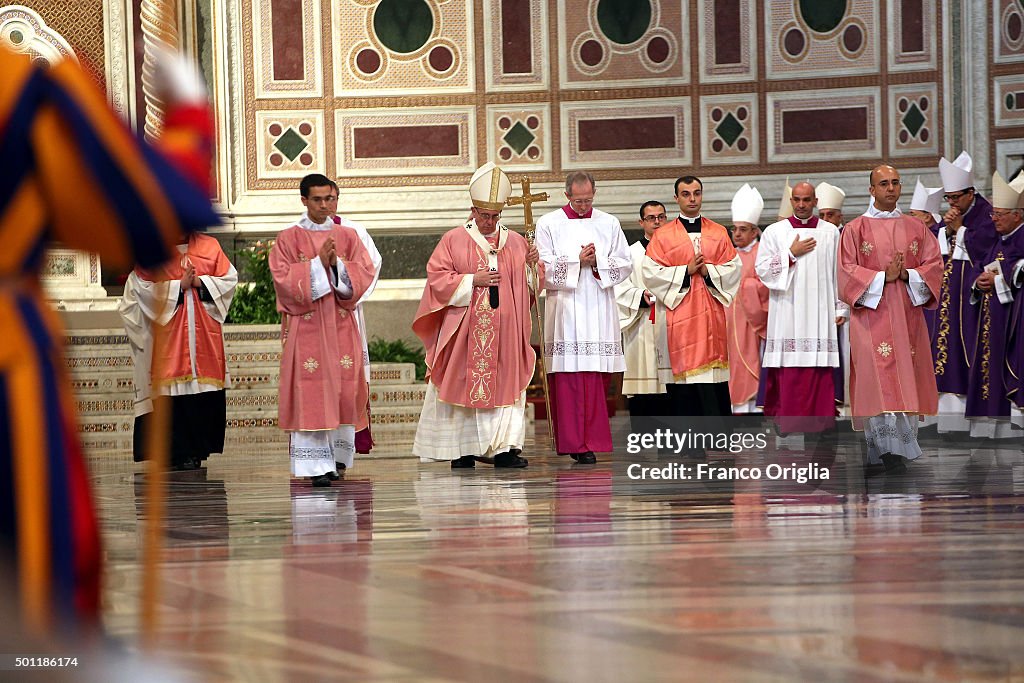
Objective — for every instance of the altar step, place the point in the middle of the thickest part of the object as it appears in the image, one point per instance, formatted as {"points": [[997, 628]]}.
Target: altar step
{"points": [[100, 368]]}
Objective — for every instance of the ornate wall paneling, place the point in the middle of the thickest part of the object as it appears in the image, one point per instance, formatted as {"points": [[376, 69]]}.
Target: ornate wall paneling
{"points": [[516, 55], [1006, 65], [622, 44], [401, 99]]}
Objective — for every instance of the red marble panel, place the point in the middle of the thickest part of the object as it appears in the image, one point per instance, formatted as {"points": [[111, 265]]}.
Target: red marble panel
{"points": [[406, 141], [912, 25], [655, 132], [727, 32], [286, 28], [850, 123], [516, 53]]}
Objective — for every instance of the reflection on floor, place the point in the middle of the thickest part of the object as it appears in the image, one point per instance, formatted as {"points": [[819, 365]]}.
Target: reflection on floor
{"points": [[563, 572]]}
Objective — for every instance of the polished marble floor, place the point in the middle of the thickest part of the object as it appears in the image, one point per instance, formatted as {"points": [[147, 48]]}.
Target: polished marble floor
{"points": [[563, 572]]}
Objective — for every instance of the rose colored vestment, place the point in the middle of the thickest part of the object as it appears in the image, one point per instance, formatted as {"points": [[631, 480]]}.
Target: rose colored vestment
{"points": [[698, 346], [747, 323], [217, 275], [323, 384], [193, 372], [891, 363], [479, 359], [476, 357]]}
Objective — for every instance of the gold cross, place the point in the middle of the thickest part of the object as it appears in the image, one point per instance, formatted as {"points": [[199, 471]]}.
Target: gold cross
{"points": [[527, 200]]}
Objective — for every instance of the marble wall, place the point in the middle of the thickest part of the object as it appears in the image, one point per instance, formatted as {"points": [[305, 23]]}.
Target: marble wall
{"points": [[401, 99]]}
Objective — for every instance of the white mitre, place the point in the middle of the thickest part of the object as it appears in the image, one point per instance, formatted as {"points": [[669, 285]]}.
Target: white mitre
{"points": [[927, 199], [786, 207], [1007, 195], [958, 175], [829, 197], [747, 205], [489, 188]]}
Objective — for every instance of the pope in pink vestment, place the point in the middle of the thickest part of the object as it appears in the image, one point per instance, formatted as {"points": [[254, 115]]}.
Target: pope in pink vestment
{"points": [[477, 356], [891, 366], [474, 322], [323, 385]]}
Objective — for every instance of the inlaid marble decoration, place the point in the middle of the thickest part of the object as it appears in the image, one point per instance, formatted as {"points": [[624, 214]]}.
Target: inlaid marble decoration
{"points": [[912, 27], [1009, 100], [729, 129], [628, 42], [625, 133], [1008, 31], [429, 141], [290, 143], [728, 46], [797, 130], [402, 107], [913, 112], [838, 37], [24, 30], [520, 137], [287, 47], [516, 49], [402, 47]]}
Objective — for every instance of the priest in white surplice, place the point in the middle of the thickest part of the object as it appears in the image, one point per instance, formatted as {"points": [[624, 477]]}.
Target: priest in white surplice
{"points": [[187, 301], [797, 262], [830, 209], [585, 254], [641, 327], [363, 439]]}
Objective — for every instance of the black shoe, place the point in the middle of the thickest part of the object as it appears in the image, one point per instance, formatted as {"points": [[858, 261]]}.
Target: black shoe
{"points": [[510, 459], [320, 481], [333, 476], [185, 465], [466, 461], [575, 456], [587, 458], [340, 466], [894, 464]]}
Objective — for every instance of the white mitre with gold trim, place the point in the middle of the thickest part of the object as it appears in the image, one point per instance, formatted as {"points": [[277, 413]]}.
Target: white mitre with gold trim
{"points": [[489, 188], [1007, 195], [786, 205]]}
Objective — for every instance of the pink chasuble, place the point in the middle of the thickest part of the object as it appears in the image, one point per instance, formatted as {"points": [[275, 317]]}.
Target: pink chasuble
{"points": [[323, 384], [746, 321], [891, 367], [477, 356]]}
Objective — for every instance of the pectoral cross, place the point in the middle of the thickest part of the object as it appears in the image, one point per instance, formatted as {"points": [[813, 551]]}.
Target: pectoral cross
{"points": [[527, 200]]}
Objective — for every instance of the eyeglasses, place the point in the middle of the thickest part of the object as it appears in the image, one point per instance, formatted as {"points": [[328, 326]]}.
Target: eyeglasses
{"points": [[659, 217], [999, 214], [581, 202], [488, 218], [955, 196], [890, 183]]}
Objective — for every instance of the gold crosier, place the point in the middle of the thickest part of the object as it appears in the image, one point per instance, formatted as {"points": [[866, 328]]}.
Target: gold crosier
{"points": [[527, 200]]}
